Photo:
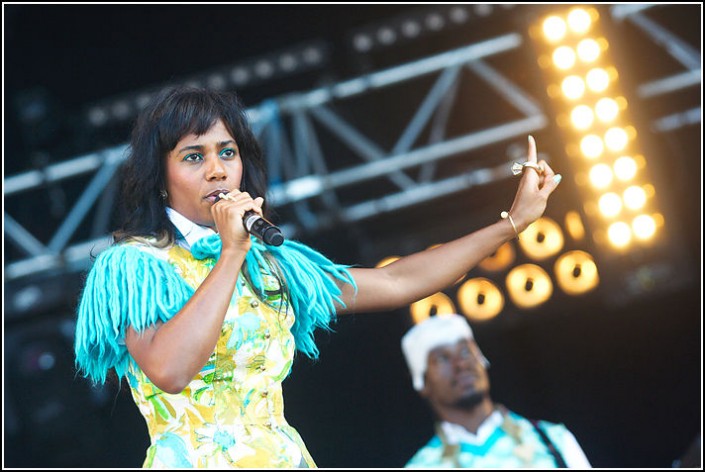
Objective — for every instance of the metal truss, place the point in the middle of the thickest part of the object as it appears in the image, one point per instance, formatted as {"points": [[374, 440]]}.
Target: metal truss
{"points": [[681, 51], [300, 176]]}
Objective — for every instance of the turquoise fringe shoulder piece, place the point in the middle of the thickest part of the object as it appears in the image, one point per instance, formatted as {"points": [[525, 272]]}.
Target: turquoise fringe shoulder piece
{"points": [[125, 287], [129, 287], [309, 276]]}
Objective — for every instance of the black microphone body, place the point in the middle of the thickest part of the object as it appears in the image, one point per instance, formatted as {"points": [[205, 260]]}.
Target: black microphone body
{"points": [[260, 228], [263, 229]]}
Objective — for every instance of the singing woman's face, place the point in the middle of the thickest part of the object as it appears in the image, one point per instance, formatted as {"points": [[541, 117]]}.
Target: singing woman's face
{"points": [[200, 167]]}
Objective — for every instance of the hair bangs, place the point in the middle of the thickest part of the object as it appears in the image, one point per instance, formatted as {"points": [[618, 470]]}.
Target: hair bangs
{"points": [[191, 114]]}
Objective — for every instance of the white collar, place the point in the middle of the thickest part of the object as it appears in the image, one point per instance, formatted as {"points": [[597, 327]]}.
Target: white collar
{"points": [[188, 229], [456, 433]]}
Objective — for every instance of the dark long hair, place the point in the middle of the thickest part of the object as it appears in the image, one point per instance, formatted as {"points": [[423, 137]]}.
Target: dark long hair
{"points": [[173, 114]]}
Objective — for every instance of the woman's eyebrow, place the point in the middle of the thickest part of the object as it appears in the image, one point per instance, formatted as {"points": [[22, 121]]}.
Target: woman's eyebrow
{"points": [[195, 147], [199, 147]]}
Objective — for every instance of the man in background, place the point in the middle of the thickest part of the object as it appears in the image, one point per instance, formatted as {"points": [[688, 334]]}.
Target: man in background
{"points": [[450, 372]]}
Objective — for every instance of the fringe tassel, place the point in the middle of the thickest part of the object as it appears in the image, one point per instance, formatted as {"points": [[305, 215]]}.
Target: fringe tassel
{"points": [[125, 287]]}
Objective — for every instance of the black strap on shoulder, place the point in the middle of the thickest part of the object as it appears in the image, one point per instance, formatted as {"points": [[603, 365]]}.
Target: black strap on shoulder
{"points": [[560, 462]]}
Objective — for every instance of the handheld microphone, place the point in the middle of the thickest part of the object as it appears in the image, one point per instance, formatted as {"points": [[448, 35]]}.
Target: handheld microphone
{"points": [[260, 228]]}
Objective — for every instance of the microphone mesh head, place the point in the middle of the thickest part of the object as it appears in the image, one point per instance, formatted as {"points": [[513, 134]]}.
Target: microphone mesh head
{"points": [[273, 236]]}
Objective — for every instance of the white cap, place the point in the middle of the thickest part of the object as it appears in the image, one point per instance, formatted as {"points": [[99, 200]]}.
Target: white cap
{"points": [[429, 334]]}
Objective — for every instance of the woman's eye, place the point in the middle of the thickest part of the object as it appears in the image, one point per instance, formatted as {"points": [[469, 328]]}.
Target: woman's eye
{"points": [[192, 157], [228, 153]]}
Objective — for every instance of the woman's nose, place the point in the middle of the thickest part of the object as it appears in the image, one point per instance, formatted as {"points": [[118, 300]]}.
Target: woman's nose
{"points": [[216, 170]]}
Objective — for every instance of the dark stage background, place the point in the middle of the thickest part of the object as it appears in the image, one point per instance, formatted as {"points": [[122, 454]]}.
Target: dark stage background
{"points": [[623, 373]]}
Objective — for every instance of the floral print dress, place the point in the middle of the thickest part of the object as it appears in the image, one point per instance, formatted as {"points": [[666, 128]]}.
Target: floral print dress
{"points": [[232, 412]]}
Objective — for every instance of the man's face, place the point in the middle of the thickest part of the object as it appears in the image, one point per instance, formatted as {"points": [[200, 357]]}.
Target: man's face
{"points": [[455, 375]]}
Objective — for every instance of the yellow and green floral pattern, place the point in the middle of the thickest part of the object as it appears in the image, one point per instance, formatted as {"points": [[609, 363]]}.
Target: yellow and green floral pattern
{"points": [[232, 412]]}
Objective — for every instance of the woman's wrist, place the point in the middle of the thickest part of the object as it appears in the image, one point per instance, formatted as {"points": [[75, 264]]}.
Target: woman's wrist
{"points": [[505, 215], [234, 253]]}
